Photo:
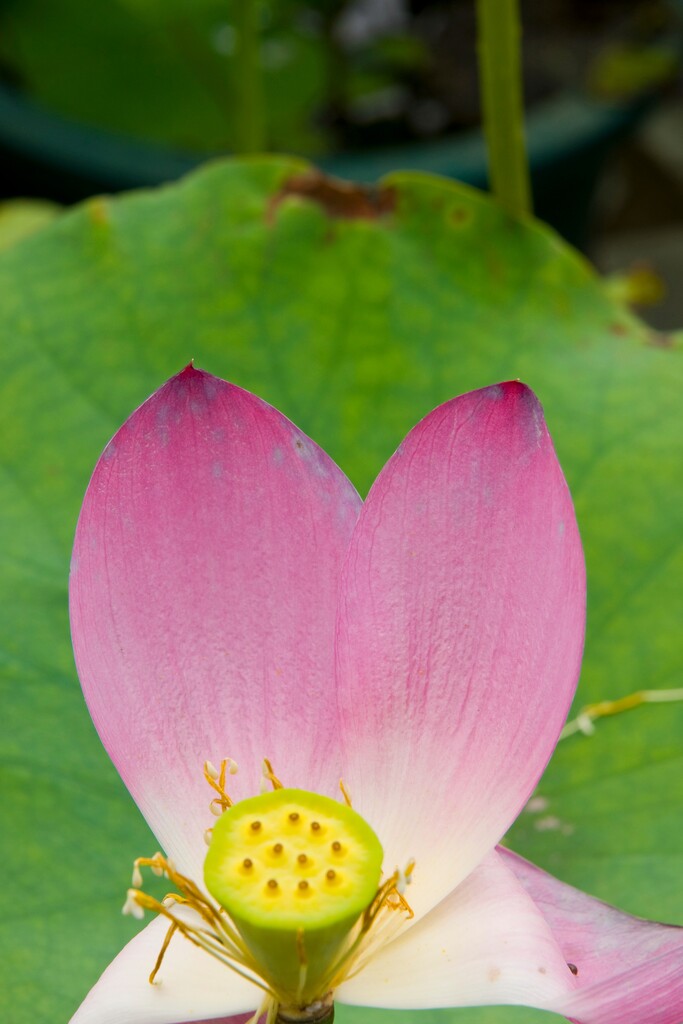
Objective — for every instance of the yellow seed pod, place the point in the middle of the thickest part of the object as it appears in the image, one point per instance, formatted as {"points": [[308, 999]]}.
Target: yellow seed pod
{"points": [[295, 871]]}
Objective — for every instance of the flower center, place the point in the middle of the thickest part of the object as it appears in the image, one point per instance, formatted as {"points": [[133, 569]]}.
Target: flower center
{"points": [[295, 871], [283, 857], [301, 901]]}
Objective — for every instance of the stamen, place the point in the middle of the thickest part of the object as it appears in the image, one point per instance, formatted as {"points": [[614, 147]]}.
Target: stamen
{"points": [[404, 877], [602, 709], [216, 779], [270, 775], [370, 934], [132, 907], [162, 952], [345, 793], [265, 1007], [276, 834]]}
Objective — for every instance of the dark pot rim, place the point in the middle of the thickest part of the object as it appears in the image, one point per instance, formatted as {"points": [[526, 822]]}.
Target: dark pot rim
{"points": [[556, 129]]}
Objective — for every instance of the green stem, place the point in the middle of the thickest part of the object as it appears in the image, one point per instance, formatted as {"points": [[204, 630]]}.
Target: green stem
{"points": [[500, 78], [250, 135]]}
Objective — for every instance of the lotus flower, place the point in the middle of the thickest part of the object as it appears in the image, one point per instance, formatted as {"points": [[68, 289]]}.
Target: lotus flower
{"points": [[232, 595]]}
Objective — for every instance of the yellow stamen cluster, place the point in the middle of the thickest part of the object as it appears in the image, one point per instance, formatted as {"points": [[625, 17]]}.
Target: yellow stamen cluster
{"points": [[296, 877]]}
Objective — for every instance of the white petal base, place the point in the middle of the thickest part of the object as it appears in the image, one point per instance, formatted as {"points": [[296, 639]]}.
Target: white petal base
{"points": [[485, 944], [191, 985]]}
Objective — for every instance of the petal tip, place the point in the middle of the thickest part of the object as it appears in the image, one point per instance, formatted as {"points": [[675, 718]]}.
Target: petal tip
{"points": [[528, 408]]}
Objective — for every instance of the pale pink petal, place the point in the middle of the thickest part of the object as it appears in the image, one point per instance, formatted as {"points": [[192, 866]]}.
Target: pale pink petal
{"points": [[630, 971], [241, 1018], [485, 944], [203, 598], [191, 985], [460, 633]]}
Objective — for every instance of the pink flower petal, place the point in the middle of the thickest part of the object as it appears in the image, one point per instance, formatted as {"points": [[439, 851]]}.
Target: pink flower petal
{"points": [[630, 971], [191, 985], [460, 633], [203, 599], [485, 944]]}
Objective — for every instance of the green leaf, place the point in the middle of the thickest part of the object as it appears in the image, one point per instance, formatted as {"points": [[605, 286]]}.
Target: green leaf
{"points": [[20, 218], [355, 326], [162, 71]]}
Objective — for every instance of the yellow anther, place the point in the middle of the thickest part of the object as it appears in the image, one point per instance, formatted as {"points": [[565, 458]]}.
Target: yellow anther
{"points": [[255, 826], [294, 816], [303, 885], [216, 779], [157, 864], [315, 826], [277, 849], [270, 775], [247, 863], [302, 858], [272, 883]]}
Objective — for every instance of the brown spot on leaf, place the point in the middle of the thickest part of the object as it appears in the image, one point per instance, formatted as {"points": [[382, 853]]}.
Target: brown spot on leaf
{"points": [[460, 216], [98, 211], [342, 200]]}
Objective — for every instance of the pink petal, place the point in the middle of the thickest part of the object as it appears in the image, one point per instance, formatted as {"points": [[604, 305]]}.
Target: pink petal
{"points": [[485, 944], [460, 633], [630, 971], [191, 985], [203, 599], [240, 1018]]}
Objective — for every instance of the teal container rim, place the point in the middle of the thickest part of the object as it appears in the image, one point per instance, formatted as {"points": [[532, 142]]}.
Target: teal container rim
{"points": [[556, 129]]}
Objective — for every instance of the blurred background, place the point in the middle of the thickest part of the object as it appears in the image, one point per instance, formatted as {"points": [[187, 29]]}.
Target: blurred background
{"points": [[129, 93]]}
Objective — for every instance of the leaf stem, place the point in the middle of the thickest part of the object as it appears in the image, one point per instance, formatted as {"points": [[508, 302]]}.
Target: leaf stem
{"points": [[250, 134], [500, 78]]}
